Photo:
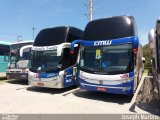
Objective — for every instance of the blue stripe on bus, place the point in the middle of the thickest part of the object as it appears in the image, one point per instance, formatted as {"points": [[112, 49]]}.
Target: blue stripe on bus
{"points": [[131, 74], [133, 40], [48, 75], [109, 90]]}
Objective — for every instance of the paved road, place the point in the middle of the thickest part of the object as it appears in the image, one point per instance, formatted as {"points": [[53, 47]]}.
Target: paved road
{"points": [[17, 97], [2, 74]]}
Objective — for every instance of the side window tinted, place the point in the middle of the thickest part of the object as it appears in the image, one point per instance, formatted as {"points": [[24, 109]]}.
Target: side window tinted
{"points": [[69, 59]]}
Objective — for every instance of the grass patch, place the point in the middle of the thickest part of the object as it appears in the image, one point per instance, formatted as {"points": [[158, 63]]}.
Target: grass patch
{"points": [[146, 70]]}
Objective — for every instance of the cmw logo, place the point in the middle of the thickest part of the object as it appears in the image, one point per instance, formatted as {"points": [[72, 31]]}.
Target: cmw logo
{"points": [[107, 42]]}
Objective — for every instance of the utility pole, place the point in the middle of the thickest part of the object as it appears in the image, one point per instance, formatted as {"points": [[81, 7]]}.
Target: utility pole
{"points": [[90, 10], [33, 31]]}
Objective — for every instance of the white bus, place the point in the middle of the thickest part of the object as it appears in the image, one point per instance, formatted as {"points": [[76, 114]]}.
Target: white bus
{"points": [[52, 65], [19, 60]]}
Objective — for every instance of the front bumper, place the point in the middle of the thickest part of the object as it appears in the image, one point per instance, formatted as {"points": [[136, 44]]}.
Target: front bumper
{"points": [[18, 76], [126, 90], [49, 83]]}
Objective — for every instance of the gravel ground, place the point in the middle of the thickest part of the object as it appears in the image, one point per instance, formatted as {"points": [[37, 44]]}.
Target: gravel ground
{"points": [[147, 98], [18, 97]]}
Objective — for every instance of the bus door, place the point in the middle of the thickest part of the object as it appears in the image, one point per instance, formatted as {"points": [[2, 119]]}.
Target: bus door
{"points": [[70, 66]]}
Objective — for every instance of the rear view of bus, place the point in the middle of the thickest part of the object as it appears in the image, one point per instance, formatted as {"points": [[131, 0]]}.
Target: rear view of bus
{"points": [[110, 56], [19, 60], [52, 65]]}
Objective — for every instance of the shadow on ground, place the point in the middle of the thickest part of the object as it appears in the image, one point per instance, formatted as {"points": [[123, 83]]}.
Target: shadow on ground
{"points": [[19, 82], [2, 78], [50, 90], [147, 98], [106, 97]]}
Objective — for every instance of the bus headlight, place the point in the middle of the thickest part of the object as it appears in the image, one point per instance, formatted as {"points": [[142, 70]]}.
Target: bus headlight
{"points": [[61, 75], [123, 80], [56, 77], [126, 88]]}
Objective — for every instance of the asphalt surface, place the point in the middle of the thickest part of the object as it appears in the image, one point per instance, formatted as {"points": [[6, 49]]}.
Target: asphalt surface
{"points": [[17, 97]]}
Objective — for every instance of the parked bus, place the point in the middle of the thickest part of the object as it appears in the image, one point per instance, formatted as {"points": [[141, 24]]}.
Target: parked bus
{"points": [[154, 42], [4, 57], [52, 65], [19, 60], [110, 56]]}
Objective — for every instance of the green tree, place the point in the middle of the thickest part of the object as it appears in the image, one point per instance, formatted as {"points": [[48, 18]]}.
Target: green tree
{"points": [[147, 53]]}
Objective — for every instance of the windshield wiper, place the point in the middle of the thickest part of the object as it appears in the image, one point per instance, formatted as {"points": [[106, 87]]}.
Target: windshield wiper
{"points": [[91, 69]]}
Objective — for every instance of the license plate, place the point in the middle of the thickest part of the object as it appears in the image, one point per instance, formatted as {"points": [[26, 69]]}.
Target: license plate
{"points": [[23, 76], [40, 84], [102, 89]]}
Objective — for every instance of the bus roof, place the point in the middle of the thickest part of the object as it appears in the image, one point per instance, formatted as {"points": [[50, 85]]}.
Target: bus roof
{"points": [[110, 28], [25, 41], [4, 47], [57, 35], [4, 43]]}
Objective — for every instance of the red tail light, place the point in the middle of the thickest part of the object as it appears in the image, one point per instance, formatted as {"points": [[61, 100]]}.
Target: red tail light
{"points": [[134, 50], [72, 51]]}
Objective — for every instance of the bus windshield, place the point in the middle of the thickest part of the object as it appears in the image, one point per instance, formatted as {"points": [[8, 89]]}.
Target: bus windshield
{"points": [[45, 61], [107, 59], [26, 56]]}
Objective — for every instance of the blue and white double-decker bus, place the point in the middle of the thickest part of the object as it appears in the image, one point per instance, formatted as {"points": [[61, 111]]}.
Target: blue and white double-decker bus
{"points": [[52, 65], [110, 56]]}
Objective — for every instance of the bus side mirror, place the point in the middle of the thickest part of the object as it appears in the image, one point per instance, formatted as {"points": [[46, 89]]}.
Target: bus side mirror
{"points": [[72, 50]]}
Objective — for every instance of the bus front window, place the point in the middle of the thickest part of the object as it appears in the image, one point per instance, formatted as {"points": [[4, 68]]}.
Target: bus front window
{"points": [[107, 59], [47, 61], [26, 56]]}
